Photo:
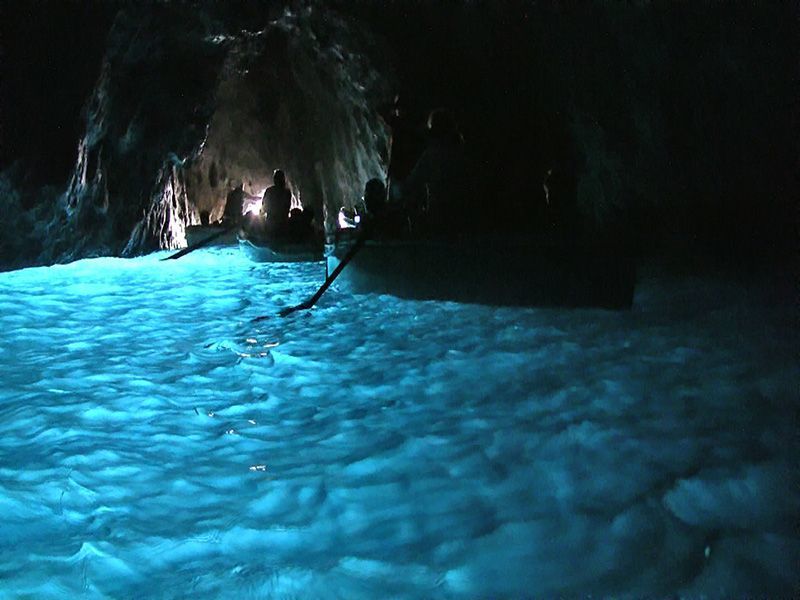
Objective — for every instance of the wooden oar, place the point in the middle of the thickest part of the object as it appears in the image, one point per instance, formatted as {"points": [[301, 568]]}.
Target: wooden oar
{"points": [[201, 243], [328, 281]]}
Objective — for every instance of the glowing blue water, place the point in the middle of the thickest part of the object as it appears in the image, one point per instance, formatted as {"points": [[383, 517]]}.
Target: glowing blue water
{"points": [[156, 442]]}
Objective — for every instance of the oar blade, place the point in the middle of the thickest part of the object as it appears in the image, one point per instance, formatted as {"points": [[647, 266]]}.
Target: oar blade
{"points": [[328, 281]]}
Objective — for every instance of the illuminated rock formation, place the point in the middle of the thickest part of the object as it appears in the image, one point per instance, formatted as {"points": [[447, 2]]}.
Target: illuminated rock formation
{"points": [[668, 124], [182, 113]]}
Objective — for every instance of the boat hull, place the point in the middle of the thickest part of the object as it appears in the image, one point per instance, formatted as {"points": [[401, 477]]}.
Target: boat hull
{"points": [[501, 273], [198, 233], [280, 251]]}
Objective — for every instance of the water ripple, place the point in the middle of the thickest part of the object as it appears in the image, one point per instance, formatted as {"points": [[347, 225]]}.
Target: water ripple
{"points": [[153, 436]]}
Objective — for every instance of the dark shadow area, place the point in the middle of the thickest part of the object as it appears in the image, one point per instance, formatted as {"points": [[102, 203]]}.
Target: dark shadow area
{"points": [[671, 127], [672, 124], [50, 58]]}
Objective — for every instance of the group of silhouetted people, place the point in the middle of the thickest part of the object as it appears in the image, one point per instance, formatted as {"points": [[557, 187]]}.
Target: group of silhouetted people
{"points": [[276, 217], [422, 192], [425, 184]]}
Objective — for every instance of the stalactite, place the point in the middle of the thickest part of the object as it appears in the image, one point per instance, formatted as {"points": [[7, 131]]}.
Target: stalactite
{"points": [[163, 222]]}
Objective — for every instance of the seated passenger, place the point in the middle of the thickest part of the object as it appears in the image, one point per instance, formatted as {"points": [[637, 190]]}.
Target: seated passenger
{"points": [[299, 226], [276, 203], [382, 219], [234, 206], [436, 188], [375, 198]]}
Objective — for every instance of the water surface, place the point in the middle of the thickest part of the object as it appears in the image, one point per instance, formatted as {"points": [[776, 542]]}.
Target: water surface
{"points": [[156, 441]]}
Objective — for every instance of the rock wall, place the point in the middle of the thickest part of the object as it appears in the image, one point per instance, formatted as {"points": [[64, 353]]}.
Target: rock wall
{"points": [[147, 115], [298, 95], [662, 119], [195, 96]]}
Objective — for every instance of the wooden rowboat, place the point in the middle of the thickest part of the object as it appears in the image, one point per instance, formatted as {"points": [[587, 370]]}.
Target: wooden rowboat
{"points": [[493, 271], [263, 248]]}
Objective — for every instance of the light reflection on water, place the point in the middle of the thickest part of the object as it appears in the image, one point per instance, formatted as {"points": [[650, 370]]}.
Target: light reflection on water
{"points": [[155, 437]]}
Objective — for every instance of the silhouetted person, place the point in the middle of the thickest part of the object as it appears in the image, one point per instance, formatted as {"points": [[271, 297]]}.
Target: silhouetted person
{"points": [[234, 206], [276, 203], [382, 219], [299, 226], [435, 189], [375, 198], [402, 151]]}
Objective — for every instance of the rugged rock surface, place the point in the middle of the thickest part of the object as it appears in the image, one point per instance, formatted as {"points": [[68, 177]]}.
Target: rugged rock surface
{"points": [[298, 95], [147, 115], [190, 101], [657, 119]]}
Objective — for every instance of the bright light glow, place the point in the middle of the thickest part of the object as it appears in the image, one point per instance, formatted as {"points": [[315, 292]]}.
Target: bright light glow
{"points": [[253, 207], [344, 223], [252, 202]]}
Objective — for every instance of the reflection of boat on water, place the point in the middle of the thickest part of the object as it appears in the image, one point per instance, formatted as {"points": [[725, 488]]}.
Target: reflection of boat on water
{"points": [[494, 271], [270, 248]]}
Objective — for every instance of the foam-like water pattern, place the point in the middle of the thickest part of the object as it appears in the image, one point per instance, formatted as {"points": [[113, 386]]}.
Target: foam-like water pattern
{"points": [[156, 442]]}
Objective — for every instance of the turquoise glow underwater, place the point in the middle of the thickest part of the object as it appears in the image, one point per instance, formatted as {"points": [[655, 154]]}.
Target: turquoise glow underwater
{"points": [[155, 441]]}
